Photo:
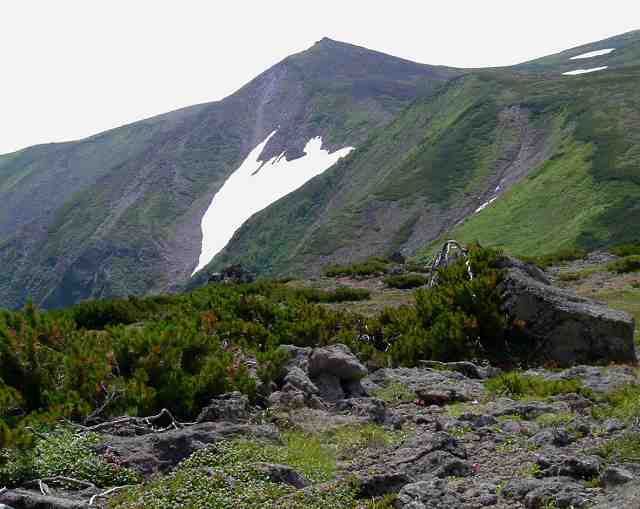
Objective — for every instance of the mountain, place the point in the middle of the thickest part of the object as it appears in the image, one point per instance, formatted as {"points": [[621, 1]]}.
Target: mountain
{"points": [[334, 154], [533, 158], [120, 212]]}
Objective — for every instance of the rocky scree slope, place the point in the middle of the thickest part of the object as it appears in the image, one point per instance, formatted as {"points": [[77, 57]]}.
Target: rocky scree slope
{"points": [[119, 213]]}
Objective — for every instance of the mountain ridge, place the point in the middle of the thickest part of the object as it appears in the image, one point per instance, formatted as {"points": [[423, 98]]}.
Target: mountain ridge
{"points": [[119, 212]]}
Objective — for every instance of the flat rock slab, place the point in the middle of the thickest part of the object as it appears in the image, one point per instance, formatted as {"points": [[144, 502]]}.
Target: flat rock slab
{"points": [[159, 452]]}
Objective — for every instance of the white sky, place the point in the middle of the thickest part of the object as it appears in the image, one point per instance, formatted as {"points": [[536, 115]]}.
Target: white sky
{"points": [[72, 68]]}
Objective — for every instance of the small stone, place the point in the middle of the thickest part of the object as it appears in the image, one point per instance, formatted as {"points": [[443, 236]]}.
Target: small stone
{"points": [[614, 476], [488, 499], [613, 425]]}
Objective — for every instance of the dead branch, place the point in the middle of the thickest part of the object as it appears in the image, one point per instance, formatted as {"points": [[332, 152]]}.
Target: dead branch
{"points": [[139, 423], [445, 256], [108, 492], [43, 484]]}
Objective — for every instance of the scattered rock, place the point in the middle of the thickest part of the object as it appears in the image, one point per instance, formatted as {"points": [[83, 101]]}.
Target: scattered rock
{"points": [[565, 494], [434, 396], [613, 425], [431, 494], [468, 369], [377, 485], [231, 407], [373, 409], [576, 467], [336, 360], [614, 476], [283, 474], [233, 274], [299, 379]]}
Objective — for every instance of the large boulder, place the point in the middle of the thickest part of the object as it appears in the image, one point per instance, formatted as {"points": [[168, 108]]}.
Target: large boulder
{"points": [[336, 360], [565, 328]]}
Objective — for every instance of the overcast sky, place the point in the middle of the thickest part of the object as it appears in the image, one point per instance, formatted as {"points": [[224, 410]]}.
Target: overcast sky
{"points": [[72, 68]]}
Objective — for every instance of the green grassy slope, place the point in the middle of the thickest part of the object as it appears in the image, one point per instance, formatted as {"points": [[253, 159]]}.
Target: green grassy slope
{"points": [[587, 194]]}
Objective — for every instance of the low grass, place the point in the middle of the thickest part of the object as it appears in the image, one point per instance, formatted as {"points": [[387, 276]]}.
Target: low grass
{"points": [[519, 386], [228, 474], [623, 404], [395, 392], [62, 453], [555, 420], [622, 449]]}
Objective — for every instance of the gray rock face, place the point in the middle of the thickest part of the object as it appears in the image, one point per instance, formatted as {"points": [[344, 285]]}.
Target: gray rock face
{"points": [[336, 360], [283, 474], [568, 329], [231, 407], [299, 379], [27, 499], [614, 476]]}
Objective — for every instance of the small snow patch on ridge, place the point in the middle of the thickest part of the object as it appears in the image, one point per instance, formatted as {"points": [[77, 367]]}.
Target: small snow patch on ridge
{"points": [[254, 186], [584, 71], [592, 54]]}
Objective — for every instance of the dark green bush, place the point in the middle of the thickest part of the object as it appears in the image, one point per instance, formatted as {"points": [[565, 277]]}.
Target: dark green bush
{"points": [[626, 264], [565, 255], [423, 268], [372, 267], [458, 319], [342, 294], [626, 249], [405, 281]]}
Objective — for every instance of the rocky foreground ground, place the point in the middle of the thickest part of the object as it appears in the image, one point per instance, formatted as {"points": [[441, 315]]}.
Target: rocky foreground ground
{"points": [[440, 435]]}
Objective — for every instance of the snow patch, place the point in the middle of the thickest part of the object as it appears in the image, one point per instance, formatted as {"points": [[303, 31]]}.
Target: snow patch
{"points": [[584, 71], [485, 204], [254, 186], [592, 54]]}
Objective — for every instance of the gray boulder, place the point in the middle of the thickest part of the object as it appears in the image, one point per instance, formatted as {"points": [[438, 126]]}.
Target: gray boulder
{"points": [[299, 379], [231, 407], [336, 360], [565, 328]]}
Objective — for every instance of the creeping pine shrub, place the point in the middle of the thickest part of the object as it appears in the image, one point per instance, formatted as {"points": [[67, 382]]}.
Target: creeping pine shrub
{"points": [[371, 267], [626, 264], [626, 249], [405, 281], [456, 320]]}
